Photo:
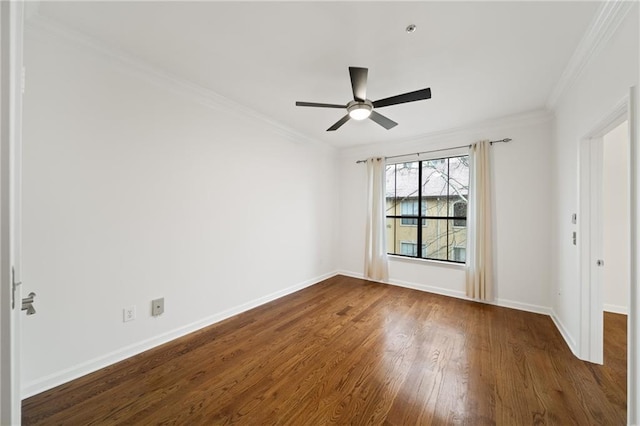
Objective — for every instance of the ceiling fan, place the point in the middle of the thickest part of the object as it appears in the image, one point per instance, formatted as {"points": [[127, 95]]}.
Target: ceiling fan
{"points": [[361, 108]]}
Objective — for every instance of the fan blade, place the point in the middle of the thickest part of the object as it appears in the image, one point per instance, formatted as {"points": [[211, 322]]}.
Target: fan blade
{"points": [[339, 123], [382, 120], [314, 104], [418, 95], [359, 83]]}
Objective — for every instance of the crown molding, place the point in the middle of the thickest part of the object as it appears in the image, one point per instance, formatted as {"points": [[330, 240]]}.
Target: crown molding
{"points": [[435, 139], [49, 30], [604, 24]]}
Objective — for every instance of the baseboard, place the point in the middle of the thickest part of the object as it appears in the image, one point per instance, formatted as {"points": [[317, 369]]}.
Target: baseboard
{"points": [[527, 307], [430, 289], [616, 309], [67, 375], [564, 333]]}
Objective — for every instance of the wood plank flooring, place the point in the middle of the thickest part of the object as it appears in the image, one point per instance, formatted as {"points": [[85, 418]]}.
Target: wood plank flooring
{"points": [[348, 351]]}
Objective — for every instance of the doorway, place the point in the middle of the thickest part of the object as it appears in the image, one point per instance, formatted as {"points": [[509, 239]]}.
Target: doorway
{"points": [[615, 220], [590, 163], [616, 232], [592, 259]]}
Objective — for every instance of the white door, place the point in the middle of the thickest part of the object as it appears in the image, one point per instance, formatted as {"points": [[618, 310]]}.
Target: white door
{"points": [[11, 20]]}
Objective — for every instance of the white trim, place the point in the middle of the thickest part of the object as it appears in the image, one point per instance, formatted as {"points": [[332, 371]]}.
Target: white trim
{"points": [[11, 67], [48, 30], [48, 382], [603, 26], [430, 289], [613, 119], [527, 307], [418, 260], [633, 320], [564, 333], [596, 246], [590, 161], [616, 309]]}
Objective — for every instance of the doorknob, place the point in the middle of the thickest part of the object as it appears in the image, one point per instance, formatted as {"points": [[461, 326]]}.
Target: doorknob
{"points": [[27, 304]]}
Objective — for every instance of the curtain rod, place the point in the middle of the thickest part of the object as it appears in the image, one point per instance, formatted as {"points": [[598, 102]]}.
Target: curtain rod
{"points": [[438, 150]]}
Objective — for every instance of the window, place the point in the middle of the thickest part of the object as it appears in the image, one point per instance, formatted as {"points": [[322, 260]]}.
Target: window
{"points": [[439, 227], [410, 208], [410, 249], [460, 254], [460, 211]]}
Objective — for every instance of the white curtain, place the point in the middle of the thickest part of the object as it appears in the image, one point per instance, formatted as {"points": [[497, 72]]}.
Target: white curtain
{"points": [[376, 265], [479, 239]]}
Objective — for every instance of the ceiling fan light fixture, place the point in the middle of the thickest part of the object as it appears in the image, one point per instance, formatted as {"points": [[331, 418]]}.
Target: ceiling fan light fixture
{"points": [[359, 110]]}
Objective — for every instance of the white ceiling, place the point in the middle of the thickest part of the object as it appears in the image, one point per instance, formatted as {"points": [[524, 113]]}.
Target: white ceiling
{"points": [[482, 60]]}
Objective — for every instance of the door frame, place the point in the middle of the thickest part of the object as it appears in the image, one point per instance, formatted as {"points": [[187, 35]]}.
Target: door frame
{"points": [[11, 87], [590, 170], [633, 319], [590, 244]]}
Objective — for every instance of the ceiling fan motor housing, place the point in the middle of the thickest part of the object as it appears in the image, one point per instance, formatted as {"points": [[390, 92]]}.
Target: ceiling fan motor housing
{"points": [[359, 110]]}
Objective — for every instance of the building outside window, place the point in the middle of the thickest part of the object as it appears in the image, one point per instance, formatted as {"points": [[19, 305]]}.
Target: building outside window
{"points": [[410, 208], [460, 254], [439, 227], [410, 249], [460, 211]]}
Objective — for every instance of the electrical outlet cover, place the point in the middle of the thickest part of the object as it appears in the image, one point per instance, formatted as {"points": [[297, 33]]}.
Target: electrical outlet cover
{"points": [[157, 307], [129, 313]]}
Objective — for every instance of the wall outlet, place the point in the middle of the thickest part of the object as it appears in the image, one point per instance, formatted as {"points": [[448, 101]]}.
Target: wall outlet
{"points": [[129, 314], [157, 307]]}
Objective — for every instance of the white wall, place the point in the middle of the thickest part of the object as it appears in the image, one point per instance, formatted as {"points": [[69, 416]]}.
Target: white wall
{"points": [[615, 220], [522, 188], [603, 83], [134, 192]]}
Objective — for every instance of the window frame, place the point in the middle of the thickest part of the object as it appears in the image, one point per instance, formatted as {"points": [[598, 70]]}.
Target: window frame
{"points": [[421, 219]]}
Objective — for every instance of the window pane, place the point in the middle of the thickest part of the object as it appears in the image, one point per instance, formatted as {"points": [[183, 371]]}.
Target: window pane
{"points": [[390, 189], [434, 238], [399, 237], [457, 242], [434, 186], [406, 185], [459, 178], [391, 232]]}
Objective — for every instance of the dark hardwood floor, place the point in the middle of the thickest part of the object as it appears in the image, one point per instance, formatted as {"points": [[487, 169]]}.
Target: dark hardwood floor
{"points": [[348, 351]]}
